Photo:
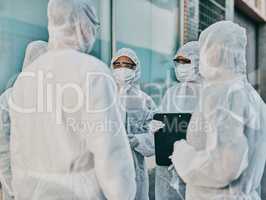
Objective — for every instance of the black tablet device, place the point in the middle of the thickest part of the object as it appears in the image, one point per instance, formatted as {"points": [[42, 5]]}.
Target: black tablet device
{"points": [[175, 129]]}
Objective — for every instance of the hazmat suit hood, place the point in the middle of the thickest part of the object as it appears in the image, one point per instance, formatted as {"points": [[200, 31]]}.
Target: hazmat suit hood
{"points": [[72, 24], [133, 56], [188, 72], [223, 51]]}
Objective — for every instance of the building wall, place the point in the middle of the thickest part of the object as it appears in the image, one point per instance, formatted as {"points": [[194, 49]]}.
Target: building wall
{"points": [[262, 62], [211, 11], [258, 5], [259, 69], [262, 82], [252, 53], [199, 14], [191, 20], [252, 15]]}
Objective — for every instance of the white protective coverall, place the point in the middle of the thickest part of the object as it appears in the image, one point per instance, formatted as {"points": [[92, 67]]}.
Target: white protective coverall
{"points": [[180, 98], [224, 155], [68, 140], [33, 51], [138, 109]]}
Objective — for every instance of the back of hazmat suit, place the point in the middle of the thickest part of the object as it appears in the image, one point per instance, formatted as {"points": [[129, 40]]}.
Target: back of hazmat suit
{"points": [[224, 155], [180, 98], [67, 138]]}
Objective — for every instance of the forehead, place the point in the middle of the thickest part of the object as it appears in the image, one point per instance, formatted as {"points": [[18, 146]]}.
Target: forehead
{"points": [[124, 59]]}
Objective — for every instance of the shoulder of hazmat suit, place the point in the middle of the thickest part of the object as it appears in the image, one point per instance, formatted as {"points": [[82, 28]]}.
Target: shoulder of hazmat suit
{"points": [[68, 141], [34, 50], [138, 109], [230, 123], [183, 97]]}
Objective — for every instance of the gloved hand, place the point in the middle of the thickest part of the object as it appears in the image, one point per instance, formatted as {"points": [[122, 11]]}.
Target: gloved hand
{"points": [[133, 141], [156, 125], [183, 155]]}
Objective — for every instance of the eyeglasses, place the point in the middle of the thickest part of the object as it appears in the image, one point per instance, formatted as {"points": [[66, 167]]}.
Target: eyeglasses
{"points": [[182, 60], [124, 64]]}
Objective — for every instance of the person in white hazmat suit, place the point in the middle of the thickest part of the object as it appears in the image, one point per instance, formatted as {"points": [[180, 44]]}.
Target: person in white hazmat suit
{"points": [[180, 98], [67, 137], [227, 160], [33, 51], [137, 110]]}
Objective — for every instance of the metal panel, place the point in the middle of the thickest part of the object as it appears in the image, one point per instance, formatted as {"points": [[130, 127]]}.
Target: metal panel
{"points": [[18, 27], [211, 11], [191, 20]]}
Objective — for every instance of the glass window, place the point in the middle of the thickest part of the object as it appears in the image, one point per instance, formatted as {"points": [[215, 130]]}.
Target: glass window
{"points": [[102, 48], [151, 28], [211, 11], [20, 22]]}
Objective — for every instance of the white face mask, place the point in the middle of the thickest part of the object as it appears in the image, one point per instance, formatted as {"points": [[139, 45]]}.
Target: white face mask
{"points": [[185, 72], [124, 75]]}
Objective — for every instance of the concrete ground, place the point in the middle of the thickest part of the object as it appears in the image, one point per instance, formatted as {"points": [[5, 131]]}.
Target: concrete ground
{"points": [[152, 184], [151, 167]]}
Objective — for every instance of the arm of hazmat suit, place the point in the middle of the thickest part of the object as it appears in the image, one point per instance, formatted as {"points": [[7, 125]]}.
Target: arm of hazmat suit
{"points": [[146, 140], [108, 142], [226, 154], [5, 166], [34, 50]]}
